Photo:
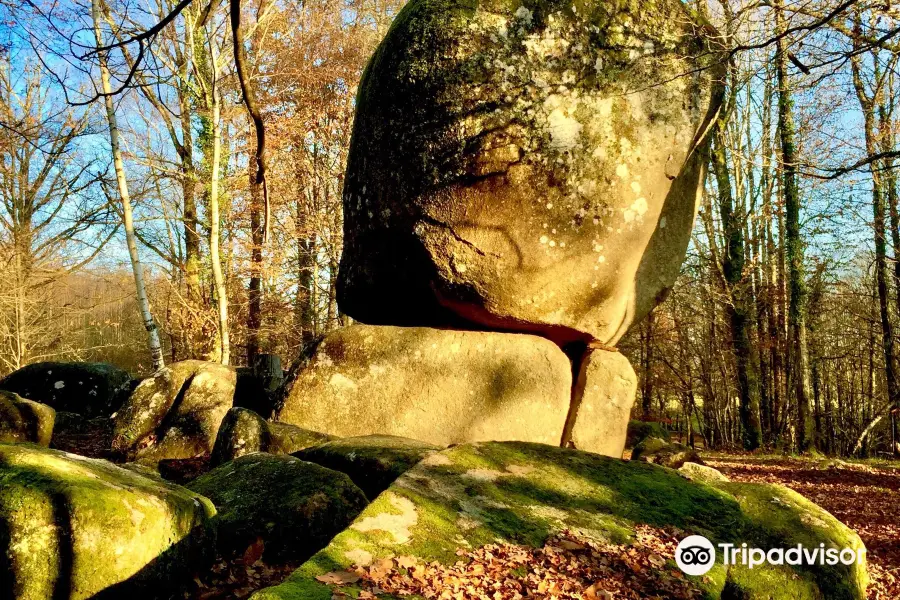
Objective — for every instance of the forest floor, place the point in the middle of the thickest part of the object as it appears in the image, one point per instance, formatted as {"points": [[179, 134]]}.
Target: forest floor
{"points": [[863, 495]]}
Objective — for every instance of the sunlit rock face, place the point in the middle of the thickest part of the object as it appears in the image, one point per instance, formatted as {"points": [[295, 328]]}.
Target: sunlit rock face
{"points": [[526, 166]]}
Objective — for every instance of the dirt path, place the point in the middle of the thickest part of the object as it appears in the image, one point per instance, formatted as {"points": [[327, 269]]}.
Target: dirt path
{"points": [[866, 498]]}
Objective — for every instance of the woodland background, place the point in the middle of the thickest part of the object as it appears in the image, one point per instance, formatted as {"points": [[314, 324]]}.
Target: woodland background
{"points": [[781, 330]]}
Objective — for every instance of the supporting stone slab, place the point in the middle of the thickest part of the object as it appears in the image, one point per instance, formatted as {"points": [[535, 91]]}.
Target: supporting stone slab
{"points": [[602, 397], [435, 385]]}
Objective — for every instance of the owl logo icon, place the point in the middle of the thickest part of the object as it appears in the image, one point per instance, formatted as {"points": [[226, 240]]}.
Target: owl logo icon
{"points": [[695, 555]]}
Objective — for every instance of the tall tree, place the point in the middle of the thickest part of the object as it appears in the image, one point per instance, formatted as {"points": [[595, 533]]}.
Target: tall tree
{"points": [[870, 100], [154, 345], [792, 239], [739, 301]]}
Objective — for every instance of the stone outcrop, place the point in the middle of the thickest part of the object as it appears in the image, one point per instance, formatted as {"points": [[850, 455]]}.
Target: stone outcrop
{"points": [[373, 462], [22, 420], [77, 528], [476, 496], [601, 403], [176, 413], [438, 386], [88, 389], [294, 507], [244, 432], [526, 167]]}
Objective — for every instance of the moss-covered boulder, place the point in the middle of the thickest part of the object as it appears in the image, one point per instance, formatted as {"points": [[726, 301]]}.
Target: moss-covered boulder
{"points": [[77, 528], [638, 431], [285, 438], [474, 495], [23, 420], [373, 462], [294, 507], [176, 413], [701, 473], [667, 454], [244, 432], [530, 166], [89, 389]]}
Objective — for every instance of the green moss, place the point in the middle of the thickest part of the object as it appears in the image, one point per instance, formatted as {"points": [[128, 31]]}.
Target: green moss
{"points": [[638, 431], [472, 495], [779, 517], [98, 526], [295, 506], [23, 420], [373, 462]]}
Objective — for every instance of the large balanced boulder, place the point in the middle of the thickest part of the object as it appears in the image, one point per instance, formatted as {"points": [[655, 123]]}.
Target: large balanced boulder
{"points": [[89, 389], [23, 420], [77, 528], [527, 166], [176, 413], [601, 403], [293, 507], [373, 462], [244, 432], [438, 386], [503, 500]]}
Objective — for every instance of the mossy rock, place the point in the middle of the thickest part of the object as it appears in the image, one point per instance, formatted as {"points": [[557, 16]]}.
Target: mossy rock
{"points": [[473, 495], [243, 432], [638, 431], [373, 462], [667, 454], [23, 420], [701, 473], [294, 507], [285, 438], [77, 528], [89, 389], [176, 413]]}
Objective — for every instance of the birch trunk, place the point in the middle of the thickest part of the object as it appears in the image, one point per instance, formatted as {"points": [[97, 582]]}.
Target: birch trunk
{"points": [[127, 215]]}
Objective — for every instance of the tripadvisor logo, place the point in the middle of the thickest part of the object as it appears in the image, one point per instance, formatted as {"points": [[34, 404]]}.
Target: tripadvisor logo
{"points": [[696, 555]]}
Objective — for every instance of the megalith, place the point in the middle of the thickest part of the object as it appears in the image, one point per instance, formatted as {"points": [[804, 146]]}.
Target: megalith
{"points": [[527, 166]]}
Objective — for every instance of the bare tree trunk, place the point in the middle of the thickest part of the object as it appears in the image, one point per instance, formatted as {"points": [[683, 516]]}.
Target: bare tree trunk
{"points": [[647, 358], [885, 117], [793, 242], [737, 305], [259, 196], [218, 277], [128, 218], [191, 227], [867, 105]]}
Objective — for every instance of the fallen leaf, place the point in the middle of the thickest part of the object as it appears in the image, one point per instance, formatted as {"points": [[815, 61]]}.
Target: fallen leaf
{"points": [[338, 578]]}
